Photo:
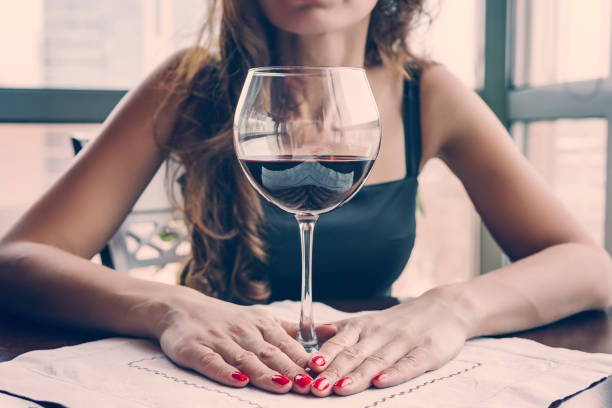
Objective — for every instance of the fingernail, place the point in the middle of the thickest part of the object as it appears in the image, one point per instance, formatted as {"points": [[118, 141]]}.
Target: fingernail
{"points": [[379, 377], [328, 324], [238, 376], [280, 379], [302, 380], [321, 384], [318, 360], [345, 381]]}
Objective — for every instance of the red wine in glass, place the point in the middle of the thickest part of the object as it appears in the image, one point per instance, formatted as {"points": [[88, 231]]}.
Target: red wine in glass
{"points": [[307, 184]]}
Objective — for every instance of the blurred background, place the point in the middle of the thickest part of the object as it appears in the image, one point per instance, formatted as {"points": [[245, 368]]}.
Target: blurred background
{"points": [[543, 66]]}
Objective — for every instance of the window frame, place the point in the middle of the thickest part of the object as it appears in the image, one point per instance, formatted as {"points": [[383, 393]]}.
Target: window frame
{"points": [[43, 105], [497, 63]]}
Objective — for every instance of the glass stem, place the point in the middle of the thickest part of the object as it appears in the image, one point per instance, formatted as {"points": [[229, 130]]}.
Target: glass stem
{"points": [[306, 333]]}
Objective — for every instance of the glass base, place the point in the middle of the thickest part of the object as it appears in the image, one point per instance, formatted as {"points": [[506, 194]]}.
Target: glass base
{"points": [[309, 346]]}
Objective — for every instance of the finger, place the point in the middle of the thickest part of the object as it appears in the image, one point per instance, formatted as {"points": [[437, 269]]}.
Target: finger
{"points": [[416, 362], [346, 337], [271, 355], [346, 361], [295, 351], [247, 362], [205, 361], [290, 328], [278, 359], [287, 344], [372, 365], [324, 331]]}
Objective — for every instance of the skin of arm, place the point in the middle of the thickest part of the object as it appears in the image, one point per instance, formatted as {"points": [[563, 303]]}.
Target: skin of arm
{"points": [[41, 257]]}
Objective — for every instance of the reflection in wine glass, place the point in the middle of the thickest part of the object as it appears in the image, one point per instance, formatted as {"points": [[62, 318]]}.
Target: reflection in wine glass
{"points": [[309, 184]]}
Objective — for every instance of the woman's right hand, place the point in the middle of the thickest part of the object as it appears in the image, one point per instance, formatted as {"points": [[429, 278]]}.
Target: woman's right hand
{"points": [[234, 344]]}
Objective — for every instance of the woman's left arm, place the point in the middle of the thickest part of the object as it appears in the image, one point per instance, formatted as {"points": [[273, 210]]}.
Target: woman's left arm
{"points": [[557, 271]]}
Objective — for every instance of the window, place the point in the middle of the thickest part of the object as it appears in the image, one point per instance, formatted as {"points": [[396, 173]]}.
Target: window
{"points": [[36, 154], [33, 156], [571, 157], [446, 245], [561, 41], [91, 44], [73, 44], [559, 102], [455, 38]]}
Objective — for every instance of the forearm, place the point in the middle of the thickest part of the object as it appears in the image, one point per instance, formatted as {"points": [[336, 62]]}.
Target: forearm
{"points": [[49, 284], [539, 289]]}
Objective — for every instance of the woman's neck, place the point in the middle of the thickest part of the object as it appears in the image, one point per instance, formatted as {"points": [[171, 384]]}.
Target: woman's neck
{"points": [[340, 48]]}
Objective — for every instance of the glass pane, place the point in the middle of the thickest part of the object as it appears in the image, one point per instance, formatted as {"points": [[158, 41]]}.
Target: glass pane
{"points": [[455, 38], [32, 157], [447, 244], [571, 156], [561, 41], [91, 44]]}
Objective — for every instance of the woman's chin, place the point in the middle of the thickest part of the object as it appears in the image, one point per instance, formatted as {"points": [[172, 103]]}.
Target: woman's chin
{"points": [[314, 17]]}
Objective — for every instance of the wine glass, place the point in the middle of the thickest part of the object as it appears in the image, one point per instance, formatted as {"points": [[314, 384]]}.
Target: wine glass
{"points": [[307, 138]]}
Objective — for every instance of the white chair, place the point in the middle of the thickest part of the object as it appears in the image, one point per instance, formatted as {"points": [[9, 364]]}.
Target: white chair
{"points": [[148, 236]]}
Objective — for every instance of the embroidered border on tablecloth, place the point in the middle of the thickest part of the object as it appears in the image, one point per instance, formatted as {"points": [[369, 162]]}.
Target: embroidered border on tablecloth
{"points": [[418, 386], [134, 364]]}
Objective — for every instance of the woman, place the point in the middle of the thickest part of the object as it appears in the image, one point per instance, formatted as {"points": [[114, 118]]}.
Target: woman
{"points": [[183, 111]]}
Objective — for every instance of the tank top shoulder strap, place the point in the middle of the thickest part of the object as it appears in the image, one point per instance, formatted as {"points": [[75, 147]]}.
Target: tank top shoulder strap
{"points": [[412, 122]]}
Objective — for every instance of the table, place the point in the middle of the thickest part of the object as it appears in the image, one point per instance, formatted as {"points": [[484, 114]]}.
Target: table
{"points": [[588, 331]]}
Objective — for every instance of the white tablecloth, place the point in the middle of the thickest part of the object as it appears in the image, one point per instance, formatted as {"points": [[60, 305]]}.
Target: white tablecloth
{"points": [[121, 372]]}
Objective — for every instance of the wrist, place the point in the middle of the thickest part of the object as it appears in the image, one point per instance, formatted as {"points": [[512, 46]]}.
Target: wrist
{"points": [[150, 307], [459, 300], [173, 304]]}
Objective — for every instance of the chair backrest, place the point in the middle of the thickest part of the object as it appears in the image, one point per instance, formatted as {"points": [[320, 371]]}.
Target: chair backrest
{"points": [[146, 237]]}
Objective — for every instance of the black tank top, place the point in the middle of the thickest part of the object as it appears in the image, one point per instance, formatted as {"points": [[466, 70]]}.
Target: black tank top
{"points": [[360, 248]]}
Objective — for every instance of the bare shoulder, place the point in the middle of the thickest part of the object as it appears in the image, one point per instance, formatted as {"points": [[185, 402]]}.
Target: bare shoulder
{"points": [[154, 90], [514, 202], [448, 108]]}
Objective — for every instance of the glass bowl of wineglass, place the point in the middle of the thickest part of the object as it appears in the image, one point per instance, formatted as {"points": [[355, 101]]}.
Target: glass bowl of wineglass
{"points": [[307, 138]]}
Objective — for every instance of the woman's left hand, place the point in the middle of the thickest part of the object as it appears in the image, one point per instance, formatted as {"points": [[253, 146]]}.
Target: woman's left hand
{"points": [[389, 347]]}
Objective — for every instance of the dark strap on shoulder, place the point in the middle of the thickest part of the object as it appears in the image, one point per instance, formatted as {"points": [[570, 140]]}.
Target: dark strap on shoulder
{"points": [[412, 123]]}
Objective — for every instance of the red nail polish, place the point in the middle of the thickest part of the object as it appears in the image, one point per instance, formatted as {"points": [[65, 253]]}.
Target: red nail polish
{"points": [[302, 380], [318, 360], [280, 379], [379, 377], [328, 324], [321, 384], [343, 382], [238, 376]]}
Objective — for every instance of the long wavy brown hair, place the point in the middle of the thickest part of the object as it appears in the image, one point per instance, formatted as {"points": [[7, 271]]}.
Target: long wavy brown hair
{"points": [[221, 209]]}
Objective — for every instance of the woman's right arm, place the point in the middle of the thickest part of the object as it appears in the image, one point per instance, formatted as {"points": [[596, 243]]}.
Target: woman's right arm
{"points": [[45, 272]]}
